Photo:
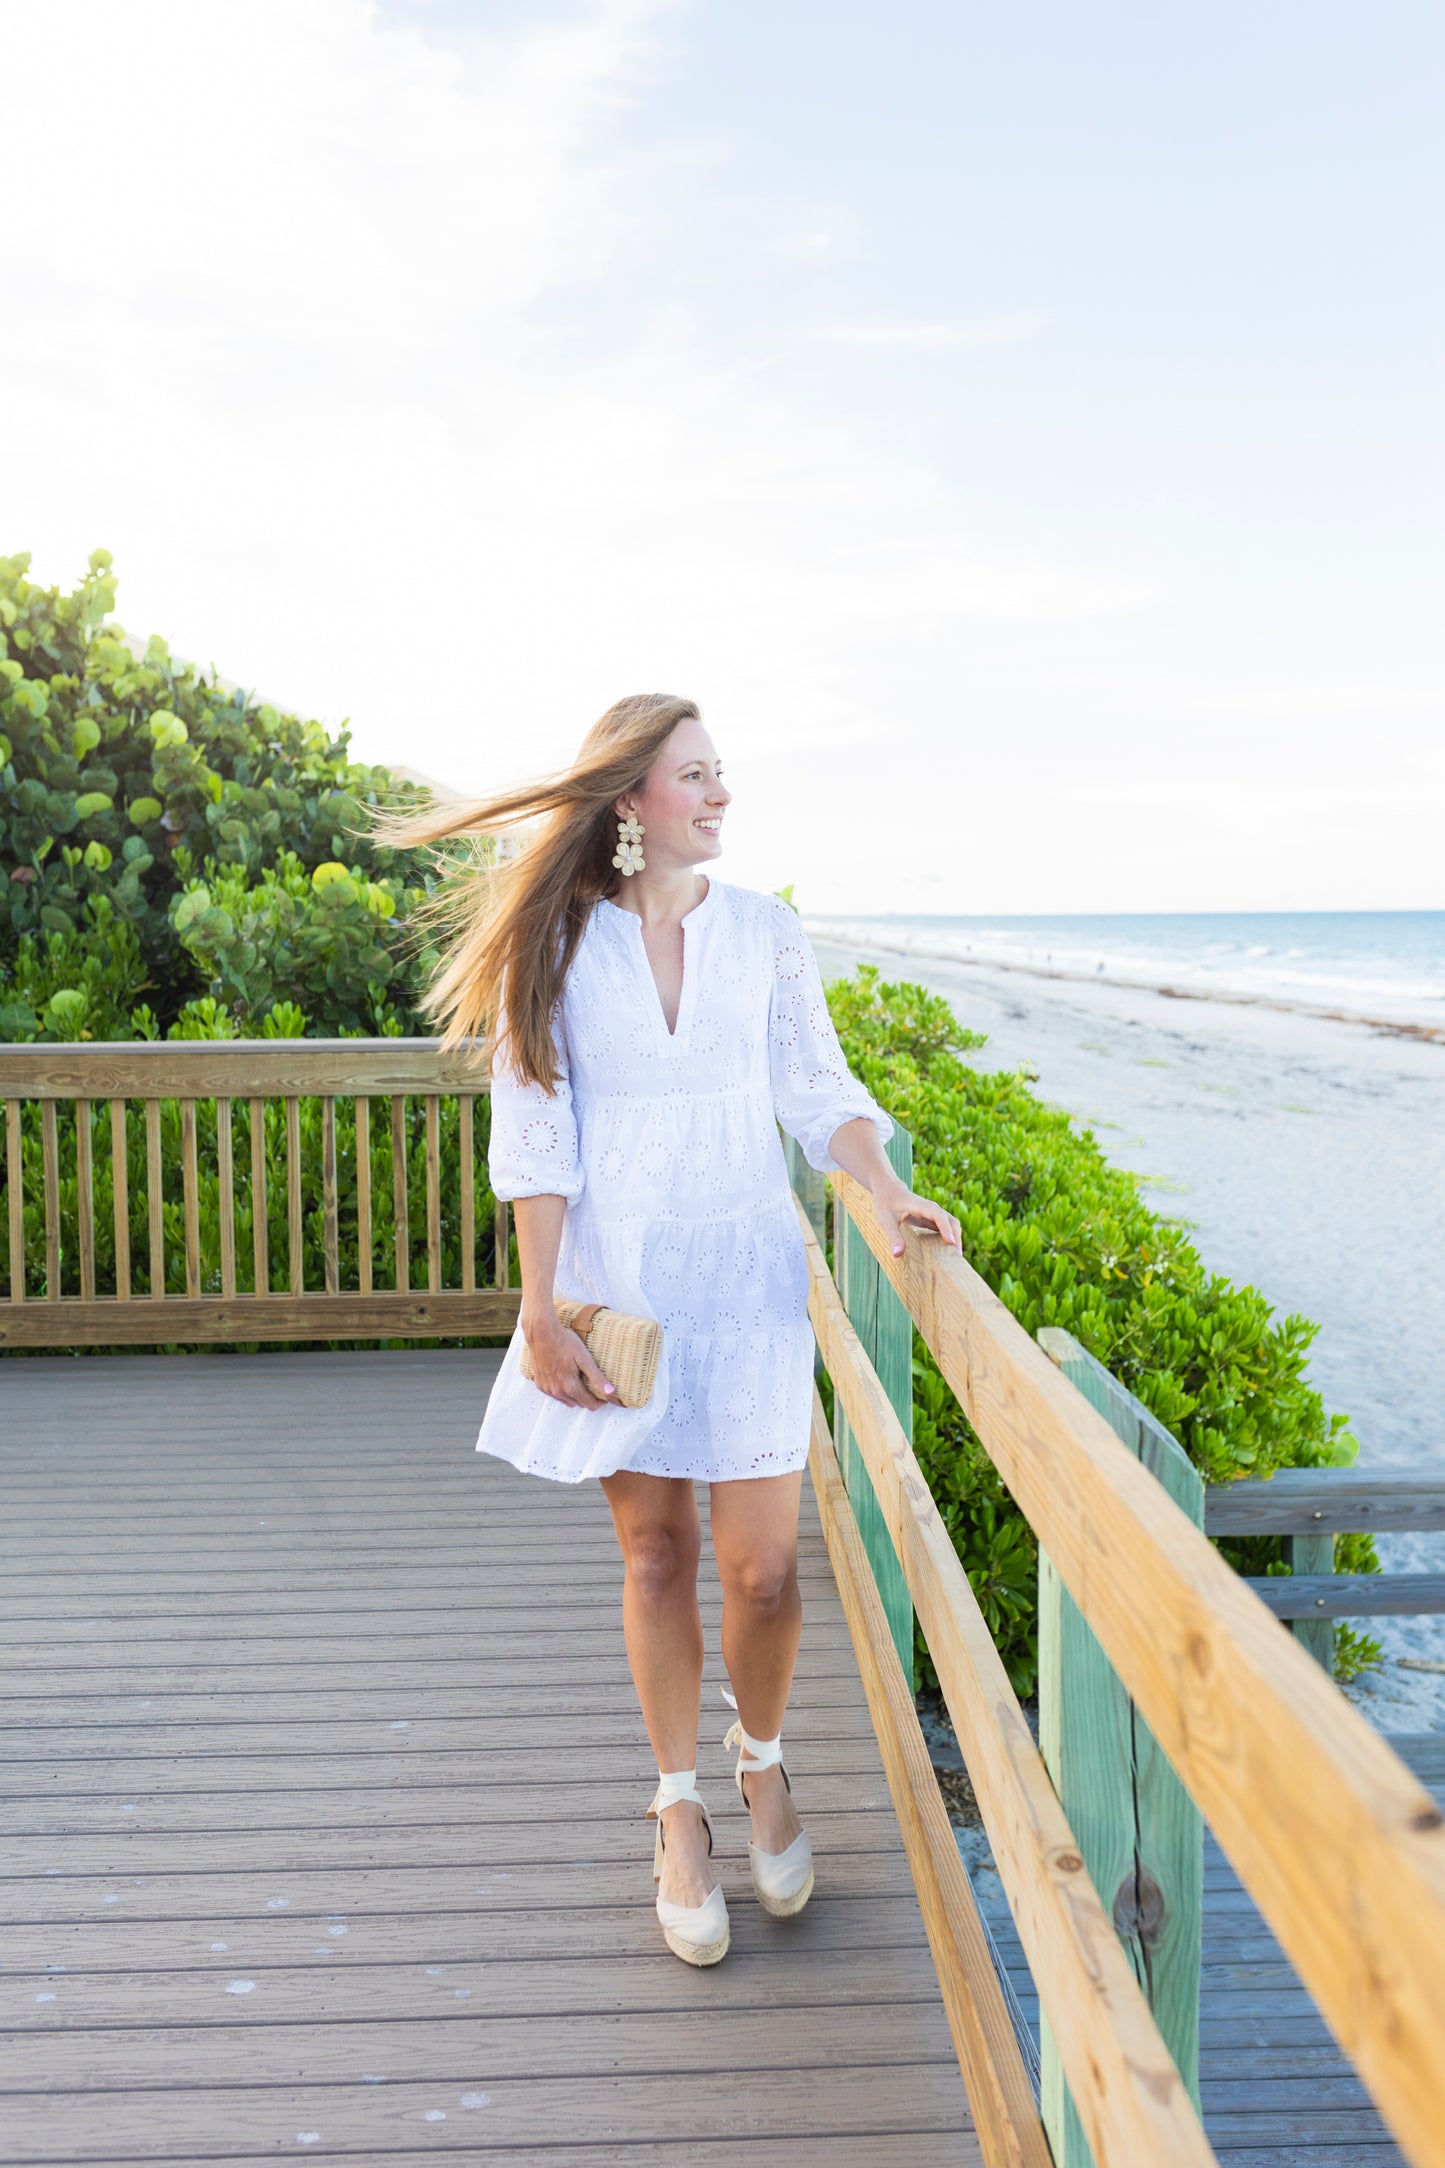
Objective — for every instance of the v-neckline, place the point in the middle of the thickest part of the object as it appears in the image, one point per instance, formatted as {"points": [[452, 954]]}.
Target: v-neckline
{"points": [[670, 1039]]}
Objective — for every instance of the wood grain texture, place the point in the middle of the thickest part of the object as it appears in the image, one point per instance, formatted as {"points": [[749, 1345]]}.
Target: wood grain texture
{"points": [[260, 1231], [106, 1323], [1309, 1595], [1309, 1554], [1131, 2101], [1340, 1845], [155, 1200], [401, 1224], [885, 1331], [120, 1197], [296, 1276], [363, 1193], [433, 1194], [84, 1200], [330, 1234], [190, 1199], [1326, 1501], [1140, 1833], [226, 1195], [488, 1950], [1006, 2115], [15, 1200], [50, 1180], [466, 1152], [239, 1068]]}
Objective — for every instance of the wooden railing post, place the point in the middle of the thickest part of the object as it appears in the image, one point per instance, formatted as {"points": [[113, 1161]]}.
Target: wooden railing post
{"points": [[1312, 1554], [886, 1331], [1140, 1833]]}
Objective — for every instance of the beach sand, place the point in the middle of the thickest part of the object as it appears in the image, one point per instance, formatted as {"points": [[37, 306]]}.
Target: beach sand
{"points": [[1307, 1157]]}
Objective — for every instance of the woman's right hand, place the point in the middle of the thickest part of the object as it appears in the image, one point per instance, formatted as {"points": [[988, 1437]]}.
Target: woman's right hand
{"points": [[562, 1367]]}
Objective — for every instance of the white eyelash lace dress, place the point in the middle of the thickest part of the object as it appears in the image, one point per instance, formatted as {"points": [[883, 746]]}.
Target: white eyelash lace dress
{"points": [[666, 1148]]}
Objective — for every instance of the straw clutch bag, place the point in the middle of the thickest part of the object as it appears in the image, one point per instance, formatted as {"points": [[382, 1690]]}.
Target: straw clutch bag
{"points": [[625, 1349]]}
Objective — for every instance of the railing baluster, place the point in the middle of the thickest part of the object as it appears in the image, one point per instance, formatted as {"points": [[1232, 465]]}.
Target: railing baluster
{"points": [[433, 1195], [363, 1194], [120, 1198], [153, 1197], [502, 1243], [84, 1200], [260, 1234], [191, 1199], [15, 1192], [469, 1193], [50, 1159], [399, 1198], [293, 1194], [330, 1239], [200, 1281], [226, 1176]]}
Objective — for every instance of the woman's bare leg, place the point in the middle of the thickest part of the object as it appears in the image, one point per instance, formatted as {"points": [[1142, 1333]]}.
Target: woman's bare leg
{"points": [[660, 1537], [755, 1539]]}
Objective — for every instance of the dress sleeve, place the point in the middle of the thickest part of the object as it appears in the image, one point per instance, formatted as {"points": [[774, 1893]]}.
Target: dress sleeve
{"points": [[814, 1091], [532, 1150]]}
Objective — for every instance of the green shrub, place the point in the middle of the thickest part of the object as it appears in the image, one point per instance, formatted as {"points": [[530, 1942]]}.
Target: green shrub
{"points": [[126, 780], [1064, 1238]]}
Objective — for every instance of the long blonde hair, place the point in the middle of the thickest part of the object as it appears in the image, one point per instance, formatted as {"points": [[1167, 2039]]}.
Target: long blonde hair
{"points": [[509, 927]]}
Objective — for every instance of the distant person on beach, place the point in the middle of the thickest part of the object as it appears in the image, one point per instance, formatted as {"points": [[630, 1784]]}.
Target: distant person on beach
{"points": [[649, 1028]]}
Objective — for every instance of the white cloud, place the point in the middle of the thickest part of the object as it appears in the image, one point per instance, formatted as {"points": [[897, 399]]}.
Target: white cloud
{"points": [[321, 327]]}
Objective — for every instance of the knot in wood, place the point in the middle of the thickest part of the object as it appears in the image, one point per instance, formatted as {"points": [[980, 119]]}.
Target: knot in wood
{"points": [[1069, 1862], [1139, 1907]]}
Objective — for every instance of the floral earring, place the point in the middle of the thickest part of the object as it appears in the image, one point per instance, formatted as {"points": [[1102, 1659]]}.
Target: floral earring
{"points": [[629, 845]]}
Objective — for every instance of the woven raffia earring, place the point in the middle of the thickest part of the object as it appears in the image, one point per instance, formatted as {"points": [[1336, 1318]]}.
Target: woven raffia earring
{"points": [[629, 845]]}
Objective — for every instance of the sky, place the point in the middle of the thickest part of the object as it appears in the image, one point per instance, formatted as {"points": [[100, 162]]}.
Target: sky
{"points": [[1019, 428]]}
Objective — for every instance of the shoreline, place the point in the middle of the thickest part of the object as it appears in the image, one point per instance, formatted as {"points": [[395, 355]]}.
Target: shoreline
{"points": [[1302, 1159], [849, 935]]}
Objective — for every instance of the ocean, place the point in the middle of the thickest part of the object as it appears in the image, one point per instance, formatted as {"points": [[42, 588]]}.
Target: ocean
{"points": [[1382, 966]]}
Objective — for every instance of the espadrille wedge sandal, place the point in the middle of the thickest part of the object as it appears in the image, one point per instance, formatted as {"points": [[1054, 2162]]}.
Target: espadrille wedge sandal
{"points": [[698, 1934], [783, 1880]]}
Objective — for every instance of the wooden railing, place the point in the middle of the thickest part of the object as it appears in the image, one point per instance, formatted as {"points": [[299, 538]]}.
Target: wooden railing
{"points": [[171, 1193], [1334, 1838]]}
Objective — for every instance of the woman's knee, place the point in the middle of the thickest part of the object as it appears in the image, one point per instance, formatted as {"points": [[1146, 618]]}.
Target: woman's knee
{"points": [[660, 1560], [764, 1579]]}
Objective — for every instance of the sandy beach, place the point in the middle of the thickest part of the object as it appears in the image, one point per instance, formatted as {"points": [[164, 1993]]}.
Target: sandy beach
{"points": [[1306, 1156]]}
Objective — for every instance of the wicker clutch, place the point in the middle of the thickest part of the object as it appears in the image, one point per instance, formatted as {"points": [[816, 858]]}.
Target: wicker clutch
{"points": [[625, 1349]]}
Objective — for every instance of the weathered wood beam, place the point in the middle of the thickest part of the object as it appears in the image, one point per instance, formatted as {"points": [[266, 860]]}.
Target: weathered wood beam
{"points": [[1340, 1846], [235, 1068], [176, 1319], [1132, 2103], [1326, 1501], [1350, 1595], [1005, 2114]]}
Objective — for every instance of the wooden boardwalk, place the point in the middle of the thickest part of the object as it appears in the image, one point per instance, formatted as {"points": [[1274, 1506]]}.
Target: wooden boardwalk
{"points": [[324, 1785]]}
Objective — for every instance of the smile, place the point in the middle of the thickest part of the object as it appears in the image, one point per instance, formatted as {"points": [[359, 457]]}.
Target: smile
{"points": [[712, 826]]}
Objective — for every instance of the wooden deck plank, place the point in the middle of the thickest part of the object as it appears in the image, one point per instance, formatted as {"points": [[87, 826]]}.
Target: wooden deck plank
{"points": [[877, 2103], [280, 1707]]}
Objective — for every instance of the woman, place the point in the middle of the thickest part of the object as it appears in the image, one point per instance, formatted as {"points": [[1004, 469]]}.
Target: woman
{"points": [[650, 1028]]}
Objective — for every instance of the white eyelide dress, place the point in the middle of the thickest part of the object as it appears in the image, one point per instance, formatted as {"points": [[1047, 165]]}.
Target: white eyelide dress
{"points": [[666, 1147]]}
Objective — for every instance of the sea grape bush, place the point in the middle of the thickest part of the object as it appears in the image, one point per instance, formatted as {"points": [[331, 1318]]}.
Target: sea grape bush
{"points": [[1065, 1239], [166, 837]]}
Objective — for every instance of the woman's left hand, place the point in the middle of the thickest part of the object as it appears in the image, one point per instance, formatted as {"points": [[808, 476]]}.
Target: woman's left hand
{"points": [[894, 1202]]}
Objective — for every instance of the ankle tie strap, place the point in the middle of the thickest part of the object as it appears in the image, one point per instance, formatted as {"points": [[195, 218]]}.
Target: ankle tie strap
{"points": [[761, 1753], [673, 1785]]}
